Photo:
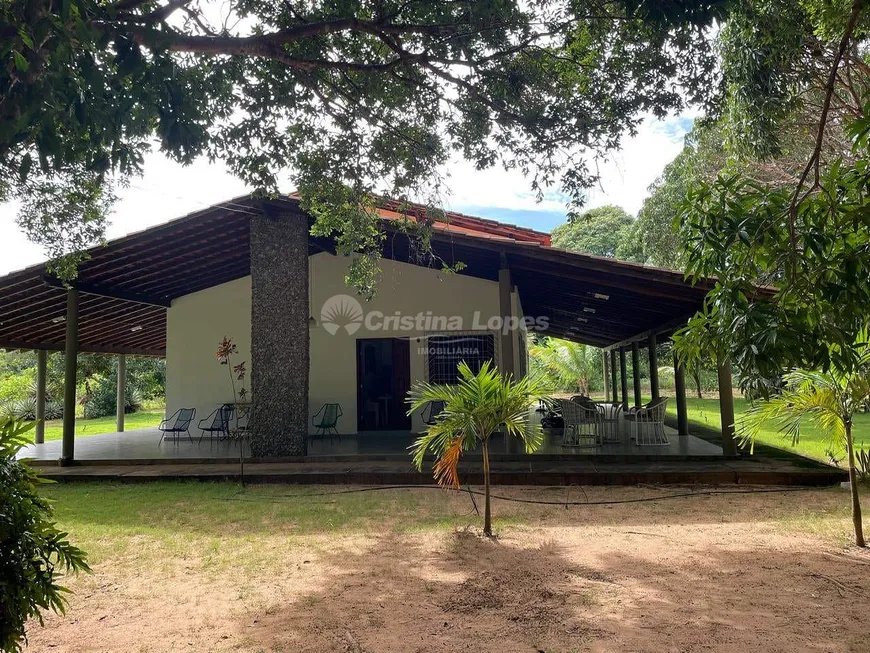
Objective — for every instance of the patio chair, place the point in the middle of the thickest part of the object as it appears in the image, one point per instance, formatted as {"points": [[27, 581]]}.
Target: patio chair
{"points": [[581, 423], [648, 423], [328, 421], [431, 412], [217, 422], [178, 423]]}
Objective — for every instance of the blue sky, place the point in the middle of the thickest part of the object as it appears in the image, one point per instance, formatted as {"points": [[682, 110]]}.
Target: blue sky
{"points": [[540, 220], [168, 190]]}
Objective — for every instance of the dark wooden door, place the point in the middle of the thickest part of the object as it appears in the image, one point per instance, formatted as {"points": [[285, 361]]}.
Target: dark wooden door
{"points": [[383, 372], [401, 383]]}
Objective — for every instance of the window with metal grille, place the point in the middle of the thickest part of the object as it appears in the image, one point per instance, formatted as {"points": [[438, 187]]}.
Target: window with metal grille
{"points": [[445, 352]]}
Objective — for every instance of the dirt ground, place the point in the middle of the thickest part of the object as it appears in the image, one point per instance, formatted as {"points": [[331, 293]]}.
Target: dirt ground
{"points": [[720, 573]]}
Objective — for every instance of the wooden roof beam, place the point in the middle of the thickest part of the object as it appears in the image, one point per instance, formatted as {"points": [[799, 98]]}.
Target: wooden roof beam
{"points": [[106, 291], [83, 348]]}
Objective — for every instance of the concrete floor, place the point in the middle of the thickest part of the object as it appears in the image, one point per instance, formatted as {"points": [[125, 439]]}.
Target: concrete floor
{"points": [[144, 444]]}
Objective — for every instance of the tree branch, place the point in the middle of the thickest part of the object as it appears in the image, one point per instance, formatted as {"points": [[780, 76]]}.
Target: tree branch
{"points": [[814, 161]]}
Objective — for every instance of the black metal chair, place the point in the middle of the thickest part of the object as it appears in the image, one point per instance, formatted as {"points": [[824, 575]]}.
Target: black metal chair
{"points": [[178, 423], [217, 422], [431, 412], [328, 414]]}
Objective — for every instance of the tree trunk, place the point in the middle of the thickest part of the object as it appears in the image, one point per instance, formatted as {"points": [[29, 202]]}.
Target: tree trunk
{"points": [[487, 513], [853, 488], [696, 375]]}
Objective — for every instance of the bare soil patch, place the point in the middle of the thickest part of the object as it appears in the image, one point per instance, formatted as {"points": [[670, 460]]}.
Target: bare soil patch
{"points": [[722, 573]]}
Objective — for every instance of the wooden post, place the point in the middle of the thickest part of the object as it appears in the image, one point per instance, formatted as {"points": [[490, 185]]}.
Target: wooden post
{"points": [[614, 378], [122, 393], [506, 311], [41, 368], [605, 375], [623, 378], [69, 376], [653, 367], [680, 390], [726, 407], [635, 373]]}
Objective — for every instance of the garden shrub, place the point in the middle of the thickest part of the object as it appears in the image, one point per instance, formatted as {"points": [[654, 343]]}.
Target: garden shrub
{"points": [[102, 399], [34, 554], [17, 387]]}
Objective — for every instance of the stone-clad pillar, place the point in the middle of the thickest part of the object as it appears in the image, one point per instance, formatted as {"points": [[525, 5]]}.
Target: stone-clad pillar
{"points": [[279, 335]]}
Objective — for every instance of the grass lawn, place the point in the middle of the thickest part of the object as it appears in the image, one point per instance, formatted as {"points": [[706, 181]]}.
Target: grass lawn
{"points": [[212, 567], [86, 427], [812, 443]]}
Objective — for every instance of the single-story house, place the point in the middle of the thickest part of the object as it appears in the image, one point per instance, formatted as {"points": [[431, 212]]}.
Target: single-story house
{"points": [[248, 269]]}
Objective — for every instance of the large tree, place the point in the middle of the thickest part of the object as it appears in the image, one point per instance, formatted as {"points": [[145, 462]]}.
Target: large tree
{"points": [[789, 206], [350, 97], [700, 161], [605, 231]]}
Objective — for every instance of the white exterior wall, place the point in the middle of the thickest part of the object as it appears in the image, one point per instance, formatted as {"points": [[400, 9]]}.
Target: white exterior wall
{"points": [[196, 323]]}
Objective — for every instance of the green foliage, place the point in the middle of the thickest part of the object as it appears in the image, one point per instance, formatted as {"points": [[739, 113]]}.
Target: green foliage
{"points": [[659, 218], [786, 209], [474, 408], [761, 43], [739, 231], [97, 374], [16, 386], [862, 461], [568, 365], [363, 96], [33, 552], [604, 231], [103, 398], [830, 400]]}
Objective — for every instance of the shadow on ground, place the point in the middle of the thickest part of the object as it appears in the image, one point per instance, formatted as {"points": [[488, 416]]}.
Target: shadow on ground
{"points": [[632, 594]]}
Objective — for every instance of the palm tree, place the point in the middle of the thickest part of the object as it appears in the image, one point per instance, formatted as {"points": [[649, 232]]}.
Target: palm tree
{"points": [[474, 408], [570, 363], [829, 400]]}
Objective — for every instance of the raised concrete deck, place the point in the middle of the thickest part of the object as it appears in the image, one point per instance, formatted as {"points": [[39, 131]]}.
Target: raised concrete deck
{"points": [[532, 471], [382, 459], [144, 445]]}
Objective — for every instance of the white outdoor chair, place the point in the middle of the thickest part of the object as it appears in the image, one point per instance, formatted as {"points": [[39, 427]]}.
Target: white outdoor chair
{"points": [[648, 423], [581, 424]]}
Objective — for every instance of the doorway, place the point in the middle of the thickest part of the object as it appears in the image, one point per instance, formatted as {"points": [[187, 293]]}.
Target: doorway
{"points": [[383, 373]]}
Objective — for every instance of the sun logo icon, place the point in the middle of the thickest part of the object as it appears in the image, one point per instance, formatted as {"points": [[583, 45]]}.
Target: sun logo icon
{"points": [[341, 311]]}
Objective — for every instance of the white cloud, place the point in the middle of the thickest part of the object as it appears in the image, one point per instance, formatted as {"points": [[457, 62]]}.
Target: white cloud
{"points": [[624, 176], [168, 190]]}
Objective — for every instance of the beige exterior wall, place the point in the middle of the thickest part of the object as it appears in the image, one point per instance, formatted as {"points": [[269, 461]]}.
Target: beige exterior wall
{"points": [[197, 322]]}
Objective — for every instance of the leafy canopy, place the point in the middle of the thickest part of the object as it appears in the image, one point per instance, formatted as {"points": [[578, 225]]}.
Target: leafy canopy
{"points": [[788, 205], [34, 553], [568, 364], [348, 96], [605, 231]]}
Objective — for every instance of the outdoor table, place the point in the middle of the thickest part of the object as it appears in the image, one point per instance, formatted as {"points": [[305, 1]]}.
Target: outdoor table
{"points": [[241, 414], [611, 418]]}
